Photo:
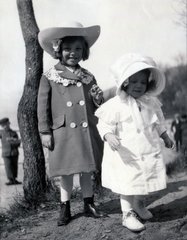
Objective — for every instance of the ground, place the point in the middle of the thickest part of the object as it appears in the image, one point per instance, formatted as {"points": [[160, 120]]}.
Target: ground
{"points": [[169, 208]]}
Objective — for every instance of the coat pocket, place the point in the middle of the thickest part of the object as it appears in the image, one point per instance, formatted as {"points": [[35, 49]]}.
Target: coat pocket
{"points": [[58, 121]]}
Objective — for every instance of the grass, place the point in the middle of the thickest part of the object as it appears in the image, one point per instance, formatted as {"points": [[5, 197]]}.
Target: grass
{"points": [[17, 216], [22, 209]]}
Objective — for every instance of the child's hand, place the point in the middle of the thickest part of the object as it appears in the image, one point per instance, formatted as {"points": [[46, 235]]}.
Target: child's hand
{"points": [[169, 143], [113, 141], [96, 93], [47, 141]]}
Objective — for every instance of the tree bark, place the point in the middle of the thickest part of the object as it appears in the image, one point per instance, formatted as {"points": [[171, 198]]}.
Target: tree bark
{"points": [[34, 162]]}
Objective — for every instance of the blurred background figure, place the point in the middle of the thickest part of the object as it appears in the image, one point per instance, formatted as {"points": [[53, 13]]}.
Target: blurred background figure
{"points": [[10, 144], [177, 131], [184, 134]]}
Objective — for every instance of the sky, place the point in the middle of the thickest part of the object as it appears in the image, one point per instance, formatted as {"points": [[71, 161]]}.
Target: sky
{"points": [[142, 26]]}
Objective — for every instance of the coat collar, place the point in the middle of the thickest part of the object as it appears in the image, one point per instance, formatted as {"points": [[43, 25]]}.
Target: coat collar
{"points": [[65, 73]]}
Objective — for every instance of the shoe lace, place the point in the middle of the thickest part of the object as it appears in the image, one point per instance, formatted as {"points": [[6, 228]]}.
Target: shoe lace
{"points": [[131, 214]]}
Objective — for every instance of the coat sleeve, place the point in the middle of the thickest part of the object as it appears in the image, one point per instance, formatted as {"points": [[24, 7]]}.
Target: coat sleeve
{"points": [[173, 126], [104, 128], [108, 118], [102, 100], [160, 126], [44, 106], [15, 141]]}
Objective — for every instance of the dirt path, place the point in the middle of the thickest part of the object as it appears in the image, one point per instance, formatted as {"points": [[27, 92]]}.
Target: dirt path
{"points": [[169, 208]]}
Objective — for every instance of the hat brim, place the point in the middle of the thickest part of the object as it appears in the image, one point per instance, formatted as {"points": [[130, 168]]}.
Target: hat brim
{"points": [[157, 74], [47, 35]]}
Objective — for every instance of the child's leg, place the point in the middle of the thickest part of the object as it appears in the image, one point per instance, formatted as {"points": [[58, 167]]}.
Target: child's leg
{"points": [[126, 202], [86, 185], [139, 207], [87, 192], [129, 219], [66, 185]]}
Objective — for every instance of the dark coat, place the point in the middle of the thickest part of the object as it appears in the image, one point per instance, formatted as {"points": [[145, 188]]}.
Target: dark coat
{"points": [[176, 128], [68, 113], [10, 143]]}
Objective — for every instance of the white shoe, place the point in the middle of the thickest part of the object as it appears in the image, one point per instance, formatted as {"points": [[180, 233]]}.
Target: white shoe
{"points": [[141, 210], [131, 222], [144, 213]]}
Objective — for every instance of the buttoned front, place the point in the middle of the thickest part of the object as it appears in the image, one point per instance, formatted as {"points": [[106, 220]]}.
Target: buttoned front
{"points": [[82, 102], [137, 168], [73, 125], [85, 124], [69, 104], [65, 84], [79, 84], [68, 113]]}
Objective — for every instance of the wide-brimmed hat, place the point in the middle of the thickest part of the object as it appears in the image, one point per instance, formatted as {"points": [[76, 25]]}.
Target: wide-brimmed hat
{"points": [[48, 35], [4, 120], [131, 63]]}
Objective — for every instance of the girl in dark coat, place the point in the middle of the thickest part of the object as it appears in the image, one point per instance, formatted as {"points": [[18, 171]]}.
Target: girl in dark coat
{"points": [[68, 97]]}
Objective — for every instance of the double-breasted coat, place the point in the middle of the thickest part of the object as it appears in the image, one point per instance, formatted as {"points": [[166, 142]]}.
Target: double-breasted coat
{"points": [[66, 110], [137, 168]]}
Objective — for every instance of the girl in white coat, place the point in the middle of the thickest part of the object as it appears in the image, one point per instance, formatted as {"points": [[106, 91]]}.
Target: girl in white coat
{"points": [[131, 124]]}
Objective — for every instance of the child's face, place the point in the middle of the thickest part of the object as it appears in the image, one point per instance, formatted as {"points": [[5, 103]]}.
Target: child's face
{"points": [[137, 84], [72, 52]]}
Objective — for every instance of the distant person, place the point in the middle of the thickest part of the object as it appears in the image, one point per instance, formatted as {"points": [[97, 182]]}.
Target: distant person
{"points": [[68, 97], [131, 124], [177, 131], [184, 134], [10, 144]]}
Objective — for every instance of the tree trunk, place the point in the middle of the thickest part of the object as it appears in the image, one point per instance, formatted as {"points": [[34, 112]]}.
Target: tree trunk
{"points": [[34, 162]]}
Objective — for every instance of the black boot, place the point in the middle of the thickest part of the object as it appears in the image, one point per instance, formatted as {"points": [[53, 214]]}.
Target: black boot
{"points": [[65, 214], [90, 209]]}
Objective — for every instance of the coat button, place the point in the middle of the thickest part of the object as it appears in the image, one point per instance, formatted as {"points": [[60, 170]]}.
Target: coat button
{"points": [[138, 131], [156, 155], [85, 124], [69, 104], [82, 102], [79, 84], [65, 84], [72, 125], [143, 158]]}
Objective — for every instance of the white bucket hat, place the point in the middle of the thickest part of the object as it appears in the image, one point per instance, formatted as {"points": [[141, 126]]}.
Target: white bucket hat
{"points": [[48, 35], [131, 63]]}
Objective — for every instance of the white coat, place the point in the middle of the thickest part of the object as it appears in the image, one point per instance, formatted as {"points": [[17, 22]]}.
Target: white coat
{"points": [[137, 168]]}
